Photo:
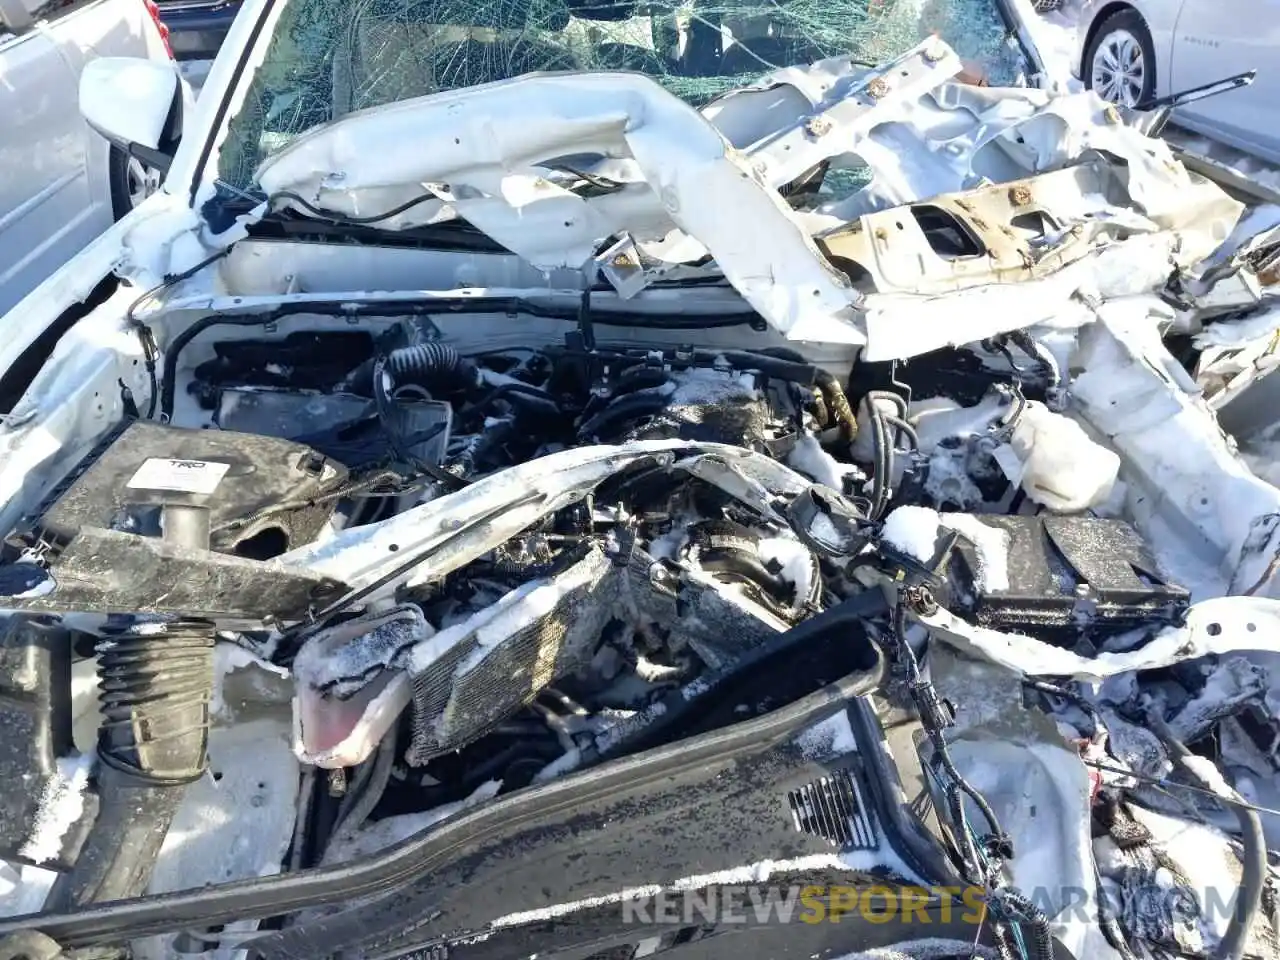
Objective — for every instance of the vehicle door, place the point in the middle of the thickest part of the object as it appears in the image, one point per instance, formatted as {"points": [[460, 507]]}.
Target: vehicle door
{"points": [[47, 211], [1215, 39]]}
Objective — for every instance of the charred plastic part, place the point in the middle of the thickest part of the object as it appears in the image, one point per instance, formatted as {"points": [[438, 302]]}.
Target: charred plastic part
{"points": [[155, 693], [829, 522], [169, 521], [155, 690], [125, 484], [35, 711], [1065, 574]]}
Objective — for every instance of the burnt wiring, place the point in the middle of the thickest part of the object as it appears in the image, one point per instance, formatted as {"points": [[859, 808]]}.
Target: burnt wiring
{"points": [[982, 855]]}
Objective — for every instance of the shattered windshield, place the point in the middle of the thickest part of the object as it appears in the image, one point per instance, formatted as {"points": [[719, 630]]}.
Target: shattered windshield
{"points": [[329, 58]]}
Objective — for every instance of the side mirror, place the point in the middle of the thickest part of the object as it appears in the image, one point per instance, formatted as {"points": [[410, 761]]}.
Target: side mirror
{"points": [[136, 104]]}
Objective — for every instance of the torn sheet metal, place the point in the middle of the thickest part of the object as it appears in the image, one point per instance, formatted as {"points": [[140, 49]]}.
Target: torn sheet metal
{"points": [[963, 267], [510, 156], [1185, 483], [483, 152], [460, 527], [1220, 626]]}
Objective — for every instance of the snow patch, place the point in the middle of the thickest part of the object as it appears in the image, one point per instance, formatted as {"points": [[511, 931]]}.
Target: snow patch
{"points": [[809, 458], [991, 544], [60, 807], [913, 531], [795, 560], [827, 738]]}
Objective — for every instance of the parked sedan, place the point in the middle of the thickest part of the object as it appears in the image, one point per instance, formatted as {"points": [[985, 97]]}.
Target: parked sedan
{"points": [[62, 184], [1136, 50]]}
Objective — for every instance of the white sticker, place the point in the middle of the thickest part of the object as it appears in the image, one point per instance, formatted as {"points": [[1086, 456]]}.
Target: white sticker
{"points": [[181, 476]]}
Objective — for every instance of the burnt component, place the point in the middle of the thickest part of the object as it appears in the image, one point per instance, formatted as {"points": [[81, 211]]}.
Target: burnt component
{"points": [[104, 571], [242, 480], [702, 404], [829, 522], [35, 710], [300, 361], [153, 739], [1067, 574]]}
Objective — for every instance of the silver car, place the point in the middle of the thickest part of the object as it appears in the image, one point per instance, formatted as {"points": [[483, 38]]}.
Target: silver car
{"points": [[62, 183], [1140, 49]]}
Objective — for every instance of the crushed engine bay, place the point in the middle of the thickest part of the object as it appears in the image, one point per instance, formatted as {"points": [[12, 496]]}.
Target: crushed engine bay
{"points": [[940, 571]]}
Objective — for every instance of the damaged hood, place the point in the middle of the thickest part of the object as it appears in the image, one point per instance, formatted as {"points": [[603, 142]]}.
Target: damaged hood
{"points": [[612, 174]]}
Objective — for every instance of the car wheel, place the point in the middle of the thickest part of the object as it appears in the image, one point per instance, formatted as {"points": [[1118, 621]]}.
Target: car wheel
{"points": [[1120, 64], [132, 181]]}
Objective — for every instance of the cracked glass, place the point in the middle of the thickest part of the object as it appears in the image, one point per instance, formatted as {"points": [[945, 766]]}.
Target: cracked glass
{"points": [[329, 58]]}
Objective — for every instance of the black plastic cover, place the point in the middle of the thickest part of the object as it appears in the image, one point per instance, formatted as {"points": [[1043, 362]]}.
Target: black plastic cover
{"points": [[235, 476], [1067, 575]]}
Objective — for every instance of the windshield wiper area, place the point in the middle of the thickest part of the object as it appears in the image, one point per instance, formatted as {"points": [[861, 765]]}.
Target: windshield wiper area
{"points": [[454, 235]]}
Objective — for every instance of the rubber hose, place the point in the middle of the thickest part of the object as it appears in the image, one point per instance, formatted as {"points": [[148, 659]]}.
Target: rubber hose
{"points": [[837, 402], [153, 740], [1253, 878], [421, 363], [626, 406], [159, 683], [805, 374], [955, 804], [904, 429], [882, 464]]}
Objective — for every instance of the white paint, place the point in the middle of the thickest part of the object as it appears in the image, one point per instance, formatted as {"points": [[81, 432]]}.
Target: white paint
{"points": [[127, 98], [705, 189], [236, 826]]}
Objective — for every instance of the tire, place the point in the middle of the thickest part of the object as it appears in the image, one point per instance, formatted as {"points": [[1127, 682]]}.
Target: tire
{"points": [[1120, 62], [131, 182]]}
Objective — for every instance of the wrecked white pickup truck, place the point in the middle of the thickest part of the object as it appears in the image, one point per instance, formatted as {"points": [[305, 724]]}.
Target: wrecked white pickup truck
{"points": [[572, 514]]}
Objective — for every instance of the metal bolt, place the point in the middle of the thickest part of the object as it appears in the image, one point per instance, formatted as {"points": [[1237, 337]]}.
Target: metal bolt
{"points": [[818, 126]]}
